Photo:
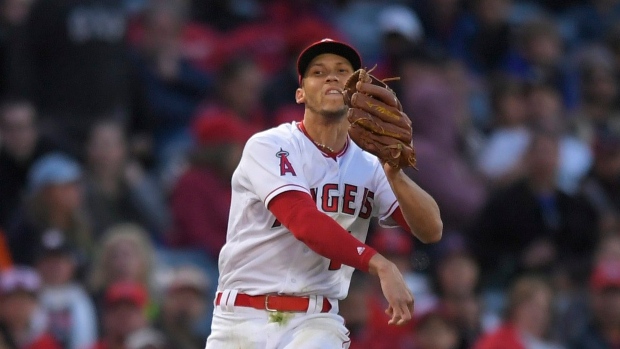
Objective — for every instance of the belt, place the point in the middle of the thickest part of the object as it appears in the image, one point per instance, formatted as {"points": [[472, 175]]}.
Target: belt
{"points": [[275, 302]]}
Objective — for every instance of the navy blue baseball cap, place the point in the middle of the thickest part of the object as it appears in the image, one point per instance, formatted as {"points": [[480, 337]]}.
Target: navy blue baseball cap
{"points": [[327, 46]]}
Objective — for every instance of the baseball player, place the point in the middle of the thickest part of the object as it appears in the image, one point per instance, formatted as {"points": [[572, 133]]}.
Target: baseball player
{"points": [[302, 199]]}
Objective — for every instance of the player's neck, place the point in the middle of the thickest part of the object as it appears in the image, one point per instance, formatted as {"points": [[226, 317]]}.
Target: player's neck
{"points": [[330, 135]]}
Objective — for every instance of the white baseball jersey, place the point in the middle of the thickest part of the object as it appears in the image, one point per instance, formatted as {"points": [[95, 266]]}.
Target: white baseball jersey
{"points": [[261, 256]]}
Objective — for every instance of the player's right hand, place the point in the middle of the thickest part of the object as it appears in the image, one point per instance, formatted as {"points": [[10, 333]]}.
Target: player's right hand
{"points": [[395, 290]]}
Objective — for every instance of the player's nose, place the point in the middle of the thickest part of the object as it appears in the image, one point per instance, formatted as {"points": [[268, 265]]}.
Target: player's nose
{"points": [[332, 77]]}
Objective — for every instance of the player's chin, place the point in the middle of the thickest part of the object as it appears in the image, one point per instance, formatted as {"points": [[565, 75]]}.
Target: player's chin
{"points": [[335, 112]]}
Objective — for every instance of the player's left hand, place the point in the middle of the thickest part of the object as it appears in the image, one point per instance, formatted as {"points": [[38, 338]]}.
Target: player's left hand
{"points": [[378, 124]]}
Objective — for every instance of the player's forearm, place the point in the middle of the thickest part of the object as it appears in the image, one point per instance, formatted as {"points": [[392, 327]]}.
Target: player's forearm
{"points": [[418, 207], [323, 235], [379, 265]]}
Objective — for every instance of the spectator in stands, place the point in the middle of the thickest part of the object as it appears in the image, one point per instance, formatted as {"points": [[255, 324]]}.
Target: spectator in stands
{"points": [[184, 308], [72, 62], [238, 91], [358, 21], [457, 284], [608, 248], [224, 15], [439, 20], [124, 253], [612, 43], [479, 39], [597, 112], [602, 185], [14, 12], [264, 39], [54, 202], [72, 317], [435, 330], [123, 314], [527, 318], [432, 103], [397, 246], [117, 188], [21, 316], [13, 16], [546, 111], [199, 42], [574, 307], [4, 340], [174, 87], [401, 33], [147, 338], [537, 56], [532, 225], [6, 260], [20, 146], [602, 331], [200, 200], [501, 157], [589, 21], [354, 310]]}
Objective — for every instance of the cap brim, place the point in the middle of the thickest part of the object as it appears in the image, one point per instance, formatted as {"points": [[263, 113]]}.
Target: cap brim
{"points": [[327, 46]]}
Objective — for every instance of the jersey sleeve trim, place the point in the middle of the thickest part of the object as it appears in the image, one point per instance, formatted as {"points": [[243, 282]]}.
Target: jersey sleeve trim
{"points": [[282, 189], [398, 217], [387, 220]]}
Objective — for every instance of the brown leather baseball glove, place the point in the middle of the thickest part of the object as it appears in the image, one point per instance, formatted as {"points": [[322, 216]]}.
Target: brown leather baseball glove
{"points": [[378, 124]]}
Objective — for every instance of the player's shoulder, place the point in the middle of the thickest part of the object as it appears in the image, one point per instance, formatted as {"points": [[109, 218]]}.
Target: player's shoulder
{"points": [[283, 133]]}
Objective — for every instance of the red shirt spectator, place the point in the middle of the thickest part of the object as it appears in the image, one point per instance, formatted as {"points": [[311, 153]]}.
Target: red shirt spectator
{"points": [[505, 337], [19, 288], [528, 317], [200, 205], [123, 315], [201, 198], [45, 341], [5, 254], [384, 336]]}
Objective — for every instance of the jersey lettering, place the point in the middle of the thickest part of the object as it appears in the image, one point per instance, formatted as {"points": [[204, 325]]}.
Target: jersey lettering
{"points": [[367, 204], [349, 197], [313, 193], [285, 165], [330, 199], [330, 202]]}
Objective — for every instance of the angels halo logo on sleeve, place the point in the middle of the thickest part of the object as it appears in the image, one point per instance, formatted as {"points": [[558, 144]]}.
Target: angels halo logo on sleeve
{"points": [[285, 165]]}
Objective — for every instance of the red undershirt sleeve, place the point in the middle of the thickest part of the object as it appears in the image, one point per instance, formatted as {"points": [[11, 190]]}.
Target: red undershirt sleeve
{"points": [[297, 211], [397, 216]]}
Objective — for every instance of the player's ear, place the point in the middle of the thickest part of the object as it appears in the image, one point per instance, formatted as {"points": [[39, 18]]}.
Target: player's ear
{"points": [[300, 96]]}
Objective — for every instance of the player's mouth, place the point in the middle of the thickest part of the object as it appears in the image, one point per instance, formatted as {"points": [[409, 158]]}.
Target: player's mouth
{"points": [[333, 91]]}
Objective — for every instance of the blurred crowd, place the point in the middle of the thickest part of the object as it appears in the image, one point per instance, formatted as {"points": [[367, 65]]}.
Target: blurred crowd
{"points": [[121, 122]]}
